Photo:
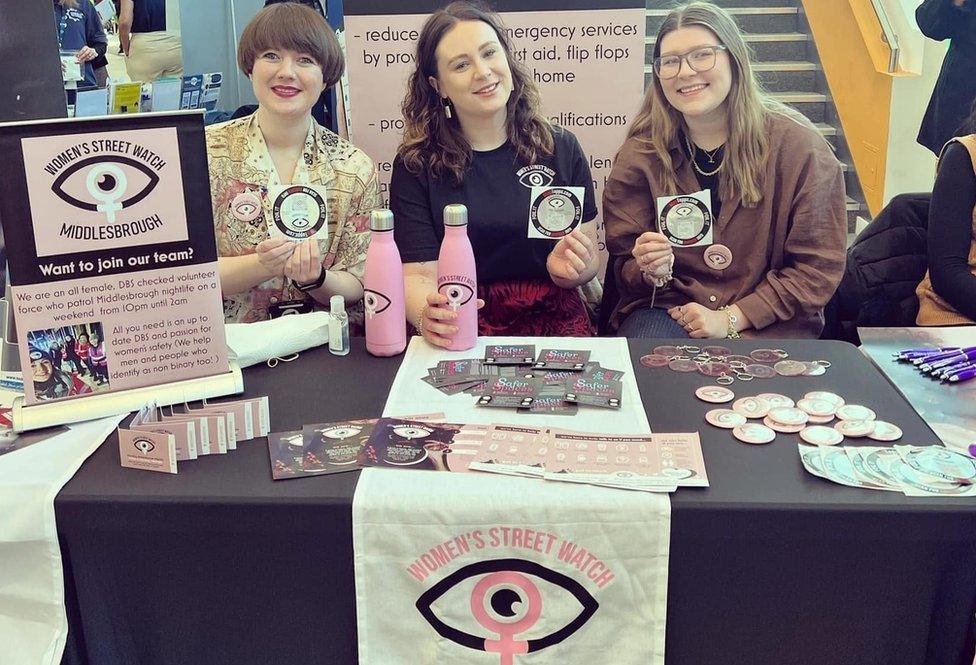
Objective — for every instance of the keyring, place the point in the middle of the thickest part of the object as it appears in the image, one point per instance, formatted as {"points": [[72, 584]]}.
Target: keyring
{"points": [[823, 363], [744, 376], [725, 380]]}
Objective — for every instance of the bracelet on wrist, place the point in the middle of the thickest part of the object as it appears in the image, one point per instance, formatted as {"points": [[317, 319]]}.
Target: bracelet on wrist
{"points": [[731, 331]]}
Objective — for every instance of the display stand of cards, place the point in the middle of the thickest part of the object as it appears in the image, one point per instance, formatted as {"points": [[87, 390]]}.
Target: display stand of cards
{"points": [[109, 233]]}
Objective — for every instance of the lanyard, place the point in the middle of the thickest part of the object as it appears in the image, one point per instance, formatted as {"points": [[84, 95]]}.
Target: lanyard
{"points": [[62, 26]]}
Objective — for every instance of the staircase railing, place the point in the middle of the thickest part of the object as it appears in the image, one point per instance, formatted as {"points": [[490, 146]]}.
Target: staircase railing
{"points": [[879, 35]]}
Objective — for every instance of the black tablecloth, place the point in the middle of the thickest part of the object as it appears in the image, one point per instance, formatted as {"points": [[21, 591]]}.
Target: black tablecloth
{"points": [[220, 564]]}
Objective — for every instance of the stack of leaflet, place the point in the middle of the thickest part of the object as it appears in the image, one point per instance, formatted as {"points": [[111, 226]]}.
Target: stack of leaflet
{"points": [[512, 376], [650, 463], [124, 97], [201, 91], [912, 470]]}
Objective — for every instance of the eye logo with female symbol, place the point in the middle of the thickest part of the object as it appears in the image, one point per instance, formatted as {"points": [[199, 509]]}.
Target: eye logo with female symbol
{"points": [[374, 303], [106, 184], [508, 603], [458, 294], [144, 446]]}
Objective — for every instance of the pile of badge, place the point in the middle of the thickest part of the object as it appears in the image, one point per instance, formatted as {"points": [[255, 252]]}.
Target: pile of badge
{"points": [[556, 381], [719, 362], [811, 417], [912, 470]]}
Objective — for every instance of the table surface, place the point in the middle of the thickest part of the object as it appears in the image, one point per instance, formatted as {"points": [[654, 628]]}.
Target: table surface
{"points": [[745, 552]]}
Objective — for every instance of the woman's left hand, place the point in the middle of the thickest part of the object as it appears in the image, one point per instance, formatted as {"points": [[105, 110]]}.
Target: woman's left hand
{"points": [[571, 256], [305, 263], [701, 322], [85, 54]]}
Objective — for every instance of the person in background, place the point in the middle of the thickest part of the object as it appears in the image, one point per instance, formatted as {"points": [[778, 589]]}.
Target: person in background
{"points": [[955, 91], [79, 29], [98, 359], [291, 55], [49, 381], [83, 350], [475, 134], [947, 295], [152, 47], [70, 355], [761, 248]]}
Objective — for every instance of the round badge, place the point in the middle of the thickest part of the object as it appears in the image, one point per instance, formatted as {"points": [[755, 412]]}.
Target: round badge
{"points": [[824, 395], [855, 428], [724, 418], [717, 351], [666, 350], [819, 420], [814, 369], [854, 412], [780, 427], [714, 394], [246, 206], [685, 220], [788, 415], [760, 371], [790, 367], [753, 433], [775, 399], [817, 407], [751, 407], [299, 212], [654, 360], [768, 355], [556, 212], [718, 257], [679, 365], [884, 431], [819, 435], [715, 369]]}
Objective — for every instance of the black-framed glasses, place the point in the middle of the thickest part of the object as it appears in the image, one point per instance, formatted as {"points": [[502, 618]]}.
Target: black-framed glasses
{"points": [[700, 60]]}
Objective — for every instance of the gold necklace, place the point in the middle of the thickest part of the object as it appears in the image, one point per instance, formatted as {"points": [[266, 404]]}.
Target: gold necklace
{"points": [[691, 152]]}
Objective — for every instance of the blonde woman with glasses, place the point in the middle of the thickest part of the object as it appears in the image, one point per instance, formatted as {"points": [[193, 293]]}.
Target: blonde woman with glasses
{"points": [[725, 210]]}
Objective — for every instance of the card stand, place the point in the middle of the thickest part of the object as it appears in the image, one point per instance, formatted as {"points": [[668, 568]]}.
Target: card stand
{"points": [[36, 416]]}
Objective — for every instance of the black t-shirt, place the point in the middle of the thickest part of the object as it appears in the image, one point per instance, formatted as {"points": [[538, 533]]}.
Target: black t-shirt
{"points": [[497, 191], [148, 15]]}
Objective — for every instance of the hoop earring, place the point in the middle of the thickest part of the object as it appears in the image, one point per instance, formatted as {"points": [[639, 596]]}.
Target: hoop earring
{"points": [[447, 108]]}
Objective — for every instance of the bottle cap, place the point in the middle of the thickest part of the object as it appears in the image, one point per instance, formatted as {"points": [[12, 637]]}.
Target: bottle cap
{"points": [[381, 220], [337, 304], [455, 214]]}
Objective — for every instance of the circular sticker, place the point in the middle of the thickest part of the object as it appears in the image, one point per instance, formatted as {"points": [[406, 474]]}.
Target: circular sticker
{"points": [[299, 212], [819, 435], [760, 371], [685, 221], [884, 431], [942, 463], [854, 412], [751, 407], [855, 428], [718, 257], [714, 394], [654, 360], [780, 427], [556, 212], [817, 407], [246, 206], [788, 415], [775, 399], [724, 418], [754, 433], [823, 394]]}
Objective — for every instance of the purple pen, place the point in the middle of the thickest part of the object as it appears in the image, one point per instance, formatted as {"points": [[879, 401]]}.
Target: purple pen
{"points": [[964, 375], [935, 357], [936, 363], [923, 352], [946, 372]]}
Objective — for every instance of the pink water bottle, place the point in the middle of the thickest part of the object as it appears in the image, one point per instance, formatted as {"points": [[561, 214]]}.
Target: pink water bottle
{"points": [[457, 278], [383, 299]]}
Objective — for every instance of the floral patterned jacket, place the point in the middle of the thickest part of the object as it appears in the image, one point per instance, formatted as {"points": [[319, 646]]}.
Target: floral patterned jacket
{"points": [[240, 162]]}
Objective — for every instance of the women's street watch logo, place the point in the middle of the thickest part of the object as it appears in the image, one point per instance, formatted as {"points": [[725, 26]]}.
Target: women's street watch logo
{"points": [[299, 212], [686, 220], [555, 211], [507, 603]]}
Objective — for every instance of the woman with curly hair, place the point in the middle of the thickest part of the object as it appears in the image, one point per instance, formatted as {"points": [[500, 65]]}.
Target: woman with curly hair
{"points": [[475, 135]]}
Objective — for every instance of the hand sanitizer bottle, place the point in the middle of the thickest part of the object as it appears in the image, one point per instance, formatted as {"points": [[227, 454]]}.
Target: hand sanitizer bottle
{"points": [[338, 327]]}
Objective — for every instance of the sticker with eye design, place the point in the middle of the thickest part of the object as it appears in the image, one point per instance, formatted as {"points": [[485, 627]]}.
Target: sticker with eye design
{"points": [[298, 212], [106, 186], [246, 206], [457, 294], [686, 220], [374, 303]]}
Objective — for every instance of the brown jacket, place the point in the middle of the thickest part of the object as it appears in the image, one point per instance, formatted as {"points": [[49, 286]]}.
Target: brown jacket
{"points": [[788, 252], [933, 310]]}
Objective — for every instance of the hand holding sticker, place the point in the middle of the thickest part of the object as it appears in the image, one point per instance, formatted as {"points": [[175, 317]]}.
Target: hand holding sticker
{"points": [[554, 212], [274, 253], [571, 256]]}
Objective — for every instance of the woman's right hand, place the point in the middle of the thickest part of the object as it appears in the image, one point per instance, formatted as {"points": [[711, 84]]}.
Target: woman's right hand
{"points": [[274, 253], [653, 253], [436, 321]]}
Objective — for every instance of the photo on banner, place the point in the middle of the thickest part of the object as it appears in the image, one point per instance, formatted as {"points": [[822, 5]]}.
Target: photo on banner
{"points": [[111, 253], [587, 62]]}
